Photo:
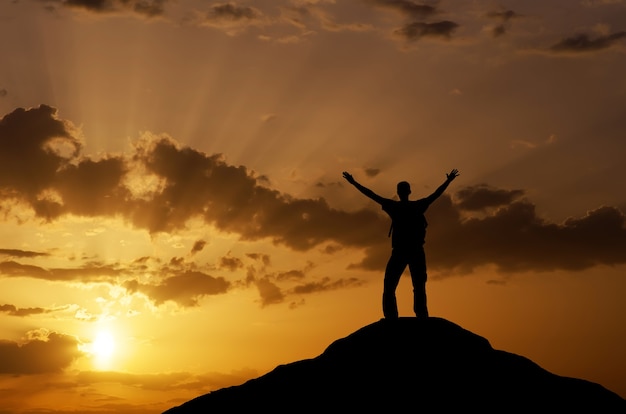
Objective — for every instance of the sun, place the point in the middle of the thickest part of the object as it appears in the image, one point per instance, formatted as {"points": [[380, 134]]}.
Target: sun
{"points": [[103, 349], [103, 345]]}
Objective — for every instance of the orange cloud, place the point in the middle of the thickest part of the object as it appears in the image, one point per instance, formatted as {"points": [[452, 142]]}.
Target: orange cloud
{"points": [[50, 352], [186, 288], [232, 199], [15, 311], [145, 8]]}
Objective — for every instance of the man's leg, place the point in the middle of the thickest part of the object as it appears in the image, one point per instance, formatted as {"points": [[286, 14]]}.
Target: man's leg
{"points": [[395, 267], [417, 267]]}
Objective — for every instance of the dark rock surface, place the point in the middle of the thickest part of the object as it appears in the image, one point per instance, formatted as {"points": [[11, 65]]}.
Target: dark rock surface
{"points": [[411, 365]]}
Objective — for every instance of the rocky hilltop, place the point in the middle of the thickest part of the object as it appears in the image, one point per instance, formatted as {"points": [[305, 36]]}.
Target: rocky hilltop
{"points": [[428, 365]]}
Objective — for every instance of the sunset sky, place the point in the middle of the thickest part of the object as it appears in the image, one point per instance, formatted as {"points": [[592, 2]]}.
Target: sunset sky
{"points": [[173, 217]]}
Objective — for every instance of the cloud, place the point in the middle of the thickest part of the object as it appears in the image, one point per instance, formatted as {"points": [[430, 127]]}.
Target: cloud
{"points": [[88, 273], [417, 30], [230, 263], [326, 284], [597, 3], [176, 281], [372, 172], [416, 14], [583, 43], [231, 17], [504, 16], [275, 288], [511, 236], [235, 200], [307, 14], [145, 8], [515, 239], [15, 311], [231, 199], [20, 253], [89, 187], [480, 197], [263, 258], [166, 381], [269, 292], [164, 390], [38, 136], [14, 269], [3, 93], [185, 289], [406, 7], [268, 117], [290, 274], [198, 246], [45, 352]]}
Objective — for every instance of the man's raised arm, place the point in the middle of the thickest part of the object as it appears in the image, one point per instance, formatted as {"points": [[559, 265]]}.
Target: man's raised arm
{"points": [[363, 189], [439, 191]]}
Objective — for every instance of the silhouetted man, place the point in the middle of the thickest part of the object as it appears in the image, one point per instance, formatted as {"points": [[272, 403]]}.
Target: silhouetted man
{"points": [[408, 232]]}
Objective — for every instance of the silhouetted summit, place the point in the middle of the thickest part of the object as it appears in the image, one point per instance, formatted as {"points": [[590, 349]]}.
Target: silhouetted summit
{"points": [[415, 365]]}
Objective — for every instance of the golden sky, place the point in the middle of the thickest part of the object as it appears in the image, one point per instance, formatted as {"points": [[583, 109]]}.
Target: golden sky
{"points": [[173, 217]]}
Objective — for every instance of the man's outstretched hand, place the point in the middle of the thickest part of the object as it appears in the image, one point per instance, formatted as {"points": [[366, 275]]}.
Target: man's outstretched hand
{"points": [[348, 177], [453, 174]]}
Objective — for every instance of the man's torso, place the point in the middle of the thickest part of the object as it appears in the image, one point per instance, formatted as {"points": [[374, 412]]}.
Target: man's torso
{"points": [[408, 222]]}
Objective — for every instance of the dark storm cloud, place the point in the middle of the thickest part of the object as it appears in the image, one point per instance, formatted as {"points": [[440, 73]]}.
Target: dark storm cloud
{"points": [[185, 289], [417, 30], [583, 43], [483, 196], [15, 311], [51, 353]]}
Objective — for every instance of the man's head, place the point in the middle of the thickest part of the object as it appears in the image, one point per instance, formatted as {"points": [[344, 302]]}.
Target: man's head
{"points": [[403, 189]]}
